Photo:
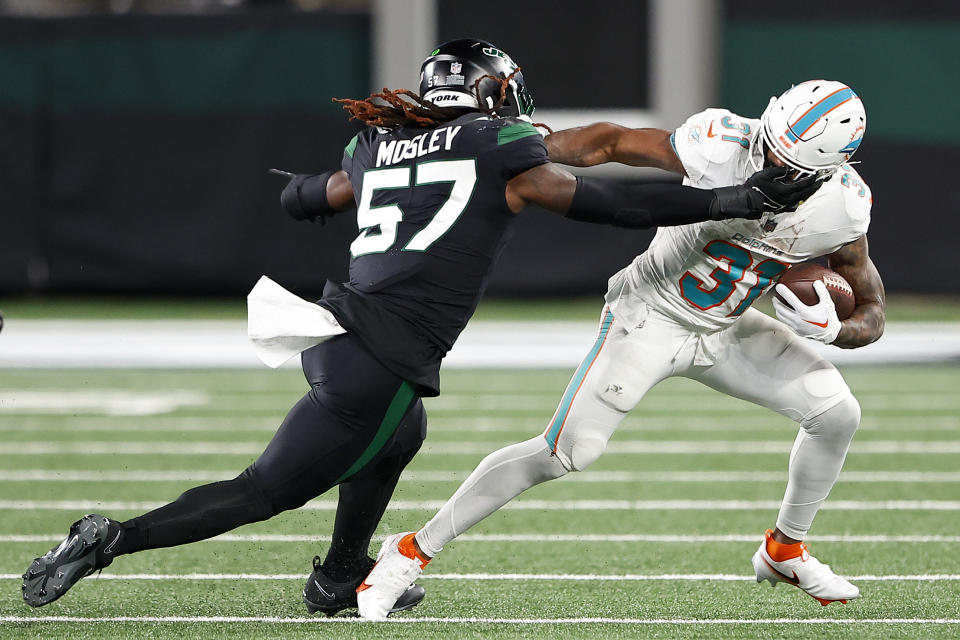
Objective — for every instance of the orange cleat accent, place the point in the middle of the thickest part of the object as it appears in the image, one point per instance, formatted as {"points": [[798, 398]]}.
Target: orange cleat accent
{"points": [[408, 547], [779, 551], [364, 586]]}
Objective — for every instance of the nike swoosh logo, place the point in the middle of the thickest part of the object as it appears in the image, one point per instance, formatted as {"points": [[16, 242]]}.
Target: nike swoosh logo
{"points": [[822, 325], [795, 581], [107, 550], [365, 585], [326, 594], [710, 133]]}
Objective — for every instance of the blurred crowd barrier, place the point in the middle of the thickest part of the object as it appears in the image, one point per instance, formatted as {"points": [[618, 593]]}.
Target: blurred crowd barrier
{"points": [[134, 145]]}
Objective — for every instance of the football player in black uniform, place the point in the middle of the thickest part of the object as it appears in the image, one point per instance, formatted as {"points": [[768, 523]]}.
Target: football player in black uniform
{"points": [[437, 179]]}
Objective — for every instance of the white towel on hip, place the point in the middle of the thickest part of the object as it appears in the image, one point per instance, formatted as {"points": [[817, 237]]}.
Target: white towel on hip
{"points": [[280, 324]]}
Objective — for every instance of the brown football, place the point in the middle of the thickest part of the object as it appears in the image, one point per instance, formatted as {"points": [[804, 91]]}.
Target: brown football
{"points": [[800, 279]]}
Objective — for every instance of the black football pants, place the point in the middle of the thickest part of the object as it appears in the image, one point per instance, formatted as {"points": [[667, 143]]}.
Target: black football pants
{"points": [[358, 426]]}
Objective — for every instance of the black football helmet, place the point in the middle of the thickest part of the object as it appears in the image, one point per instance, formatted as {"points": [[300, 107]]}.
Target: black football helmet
{"points": [[447, 77]]}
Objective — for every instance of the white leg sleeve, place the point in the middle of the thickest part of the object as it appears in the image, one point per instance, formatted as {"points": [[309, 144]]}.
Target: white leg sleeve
{"points": [[615, 374], [499, 478], [815, 463], [766, 363], [610, 382]]}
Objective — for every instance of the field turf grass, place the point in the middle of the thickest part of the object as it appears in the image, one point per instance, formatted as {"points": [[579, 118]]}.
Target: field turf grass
{"points": [[684, 443]]}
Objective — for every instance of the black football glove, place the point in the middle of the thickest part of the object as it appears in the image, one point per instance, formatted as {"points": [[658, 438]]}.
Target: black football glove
{"points": [[780, 193], [305, 196], [768, 190]]}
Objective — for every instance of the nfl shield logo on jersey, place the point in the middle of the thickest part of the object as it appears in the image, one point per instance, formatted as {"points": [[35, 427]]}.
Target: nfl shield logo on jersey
{"points": [[455, 67]]}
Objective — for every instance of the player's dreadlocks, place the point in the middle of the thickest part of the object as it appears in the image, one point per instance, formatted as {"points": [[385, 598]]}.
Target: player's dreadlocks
{"points": [[415, 111]]}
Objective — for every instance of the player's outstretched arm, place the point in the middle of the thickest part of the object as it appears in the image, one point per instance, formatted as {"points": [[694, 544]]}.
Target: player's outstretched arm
{"points": [[642, 206], [866, 323], [309, 197], [607, 142]]}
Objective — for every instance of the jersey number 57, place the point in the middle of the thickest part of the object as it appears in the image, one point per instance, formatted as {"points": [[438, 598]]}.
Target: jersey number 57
{"points": [[461, 173]]}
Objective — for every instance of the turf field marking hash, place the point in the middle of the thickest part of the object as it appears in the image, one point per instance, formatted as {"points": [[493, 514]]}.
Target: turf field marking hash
{"points": [[539, 537], [516, 577], [679, 447], [528, 505], [82, 475]]}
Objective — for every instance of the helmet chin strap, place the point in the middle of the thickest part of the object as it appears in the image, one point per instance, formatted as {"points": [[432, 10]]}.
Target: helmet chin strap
{"points": [[758, 149], [758, 153]]}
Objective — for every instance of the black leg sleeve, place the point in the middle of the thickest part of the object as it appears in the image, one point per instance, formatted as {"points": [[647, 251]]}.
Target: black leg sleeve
{"points": [[310, 450], [199, 513], [364, 498], [345, 424]]}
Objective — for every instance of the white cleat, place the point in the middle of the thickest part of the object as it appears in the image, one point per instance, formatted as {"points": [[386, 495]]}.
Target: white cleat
{"points": [[804, 572], [388, 580]]}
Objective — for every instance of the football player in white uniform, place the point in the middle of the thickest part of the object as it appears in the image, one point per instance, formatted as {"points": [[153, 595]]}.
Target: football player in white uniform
{"points": [[683, 308]]}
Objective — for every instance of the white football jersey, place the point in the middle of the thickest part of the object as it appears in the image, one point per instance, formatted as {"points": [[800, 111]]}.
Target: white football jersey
{"points": [[706, 275]]}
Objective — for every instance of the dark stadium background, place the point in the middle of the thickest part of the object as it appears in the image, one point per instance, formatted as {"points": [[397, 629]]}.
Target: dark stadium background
{"points": [[135, 135]]}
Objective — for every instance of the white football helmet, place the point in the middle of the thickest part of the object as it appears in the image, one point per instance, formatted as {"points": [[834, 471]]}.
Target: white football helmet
{"points": [[814, 126]]}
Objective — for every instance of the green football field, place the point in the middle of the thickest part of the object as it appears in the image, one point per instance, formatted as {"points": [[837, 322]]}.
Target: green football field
{"points": [[653, 541]]}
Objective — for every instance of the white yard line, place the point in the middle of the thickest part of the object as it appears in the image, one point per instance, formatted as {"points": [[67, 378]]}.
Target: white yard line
{"points": [[751, 538], [707, 447], [518, 577], [44, 475], [531, 505], [114, 402], [159, 448], [505, 621], [486, 424], [720, 405], [211, 424], [658, 538], [78, 475], [662, 447], [718, 424]]}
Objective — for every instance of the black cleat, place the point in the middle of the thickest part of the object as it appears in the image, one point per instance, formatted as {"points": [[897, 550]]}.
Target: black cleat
{"points": [[90, 545], [323, 594]]}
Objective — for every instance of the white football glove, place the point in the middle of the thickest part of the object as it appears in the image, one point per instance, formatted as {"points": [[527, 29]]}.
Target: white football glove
{"points": [[817, 322]]}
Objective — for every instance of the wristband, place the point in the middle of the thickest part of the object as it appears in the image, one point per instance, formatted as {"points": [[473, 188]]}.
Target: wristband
{"points": [[305, 196]]}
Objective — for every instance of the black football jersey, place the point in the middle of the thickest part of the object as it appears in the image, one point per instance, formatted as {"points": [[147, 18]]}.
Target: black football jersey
{"points": [[432, 218]]}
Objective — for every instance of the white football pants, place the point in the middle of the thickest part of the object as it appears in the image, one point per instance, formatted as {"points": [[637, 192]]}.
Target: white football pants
{"points": [[757, 359]]}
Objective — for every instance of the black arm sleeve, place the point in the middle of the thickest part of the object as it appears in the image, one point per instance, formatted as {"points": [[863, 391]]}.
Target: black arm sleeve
{"points": [[305, 196], [638, 206], [642, 206]]}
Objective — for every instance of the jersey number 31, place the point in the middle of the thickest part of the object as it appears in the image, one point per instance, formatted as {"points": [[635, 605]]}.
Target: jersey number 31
{"points": [[734, 264], [461, 173]]}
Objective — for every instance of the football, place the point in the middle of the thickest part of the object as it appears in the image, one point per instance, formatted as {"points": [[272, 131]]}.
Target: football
{"points": [[800, 279]]}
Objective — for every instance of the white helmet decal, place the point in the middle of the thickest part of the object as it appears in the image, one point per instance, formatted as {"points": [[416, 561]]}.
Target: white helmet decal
{"points": [[814, 125], [448, 98]]}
